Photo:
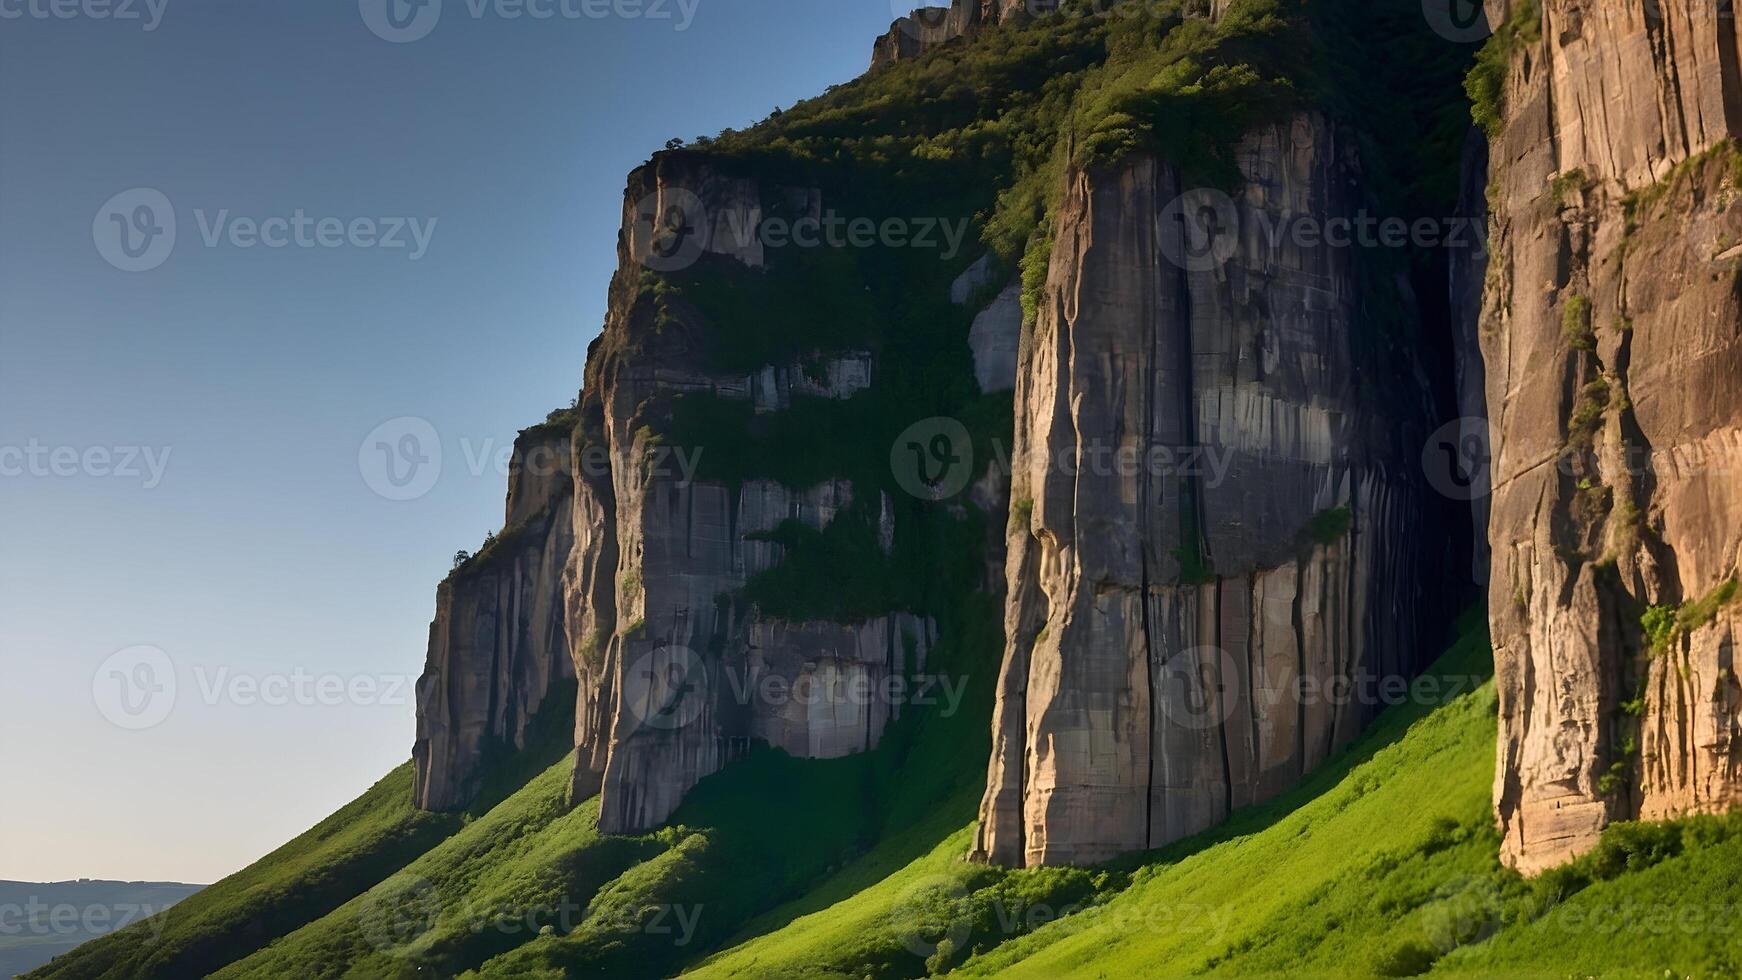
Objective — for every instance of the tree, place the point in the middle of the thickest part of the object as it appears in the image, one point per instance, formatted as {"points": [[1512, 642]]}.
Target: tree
{"points": [[461, 557]]}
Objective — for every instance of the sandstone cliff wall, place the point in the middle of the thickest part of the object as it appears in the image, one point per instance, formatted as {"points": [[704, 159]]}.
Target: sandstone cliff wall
{"points": [[620, 567], [498, 645], [1162, 621], [1613, 346]]}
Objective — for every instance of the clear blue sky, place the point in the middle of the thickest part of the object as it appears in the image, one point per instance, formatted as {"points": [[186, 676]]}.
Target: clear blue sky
{"points": [[261, 370]]}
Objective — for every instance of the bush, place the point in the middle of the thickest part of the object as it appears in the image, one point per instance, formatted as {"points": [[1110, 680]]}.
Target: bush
{"points": [[1407, 959], [1486, 83]]}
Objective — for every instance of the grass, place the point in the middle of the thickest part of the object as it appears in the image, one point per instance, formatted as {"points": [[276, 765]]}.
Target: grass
{"points": [[1664, 625], [1382, 864], [1576, 323], [530, 862], [366, 841], [1327, 527], [1565, 184], [1486, 83]]}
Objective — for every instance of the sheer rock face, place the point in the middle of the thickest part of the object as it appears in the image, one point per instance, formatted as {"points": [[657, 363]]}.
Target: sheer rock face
{"points": [[618, 566], [498, 645], [928, 27], [1161, 617], [1612, 336]]}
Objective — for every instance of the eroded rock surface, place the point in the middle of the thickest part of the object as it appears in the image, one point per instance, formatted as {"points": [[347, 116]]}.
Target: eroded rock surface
{"points": [[1162, 617], [498, 644], [1612, 336], [620, 568]]}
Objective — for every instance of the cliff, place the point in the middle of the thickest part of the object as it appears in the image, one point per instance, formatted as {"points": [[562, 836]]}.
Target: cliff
{"points": [[1118, 522], [1183, 638], [1178, 630], [1613, 344], [498, 645]]}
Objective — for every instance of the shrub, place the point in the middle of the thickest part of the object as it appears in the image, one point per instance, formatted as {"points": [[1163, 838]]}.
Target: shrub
{"points": [[1576, 324], [1327, 527], [1407, 959], [1486, 83]]}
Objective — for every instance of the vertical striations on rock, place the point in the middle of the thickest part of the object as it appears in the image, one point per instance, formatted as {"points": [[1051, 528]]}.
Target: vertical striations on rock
{"points": [[498, 644], [1612, 335], [669, 664], [620, 569], [1168, 621]]}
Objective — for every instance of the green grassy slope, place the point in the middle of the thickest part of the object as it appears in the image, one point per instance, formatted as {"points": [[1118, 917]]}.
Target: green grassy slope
{"points": [[362, 843], [1383, 864], [489, 887]]}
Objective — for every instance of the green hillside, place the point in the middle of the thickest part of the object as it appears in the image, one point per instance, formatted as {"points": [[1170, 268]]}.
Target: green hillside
{"points": [[1382, 864]]}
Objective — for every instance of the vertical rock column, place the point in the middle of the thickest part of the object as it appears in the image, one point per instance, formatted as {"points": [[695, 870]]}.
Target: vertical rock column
{"points": [[499, 642], [1612, 337], [1214, 507]]}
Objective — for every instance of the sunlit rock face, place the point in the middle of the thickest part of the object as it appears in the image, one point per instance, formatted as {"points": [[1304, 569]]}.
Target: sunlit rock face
{"points": [[1612, 339], [617, 564], [498, 646], [1162, 619]]}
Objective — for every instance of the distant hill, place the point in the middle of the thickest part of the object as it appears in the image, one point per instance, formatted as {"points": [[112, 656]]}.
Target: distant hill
{"points": [[41, 921]]}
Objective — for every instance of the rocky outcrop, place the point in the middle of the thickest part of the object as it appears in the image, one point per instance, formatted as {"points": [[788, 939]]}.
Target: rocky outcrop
{"points": [[620, 568], [1179, 628], [929, 27], [498, 646], [1612, 335]]}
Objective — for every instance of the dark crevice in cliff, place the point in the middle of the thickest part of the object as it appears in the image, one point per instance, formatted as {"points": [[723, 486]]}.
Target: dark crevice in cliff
{"points": [[1297, 617], [1146, 543], [1218, 689]]}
